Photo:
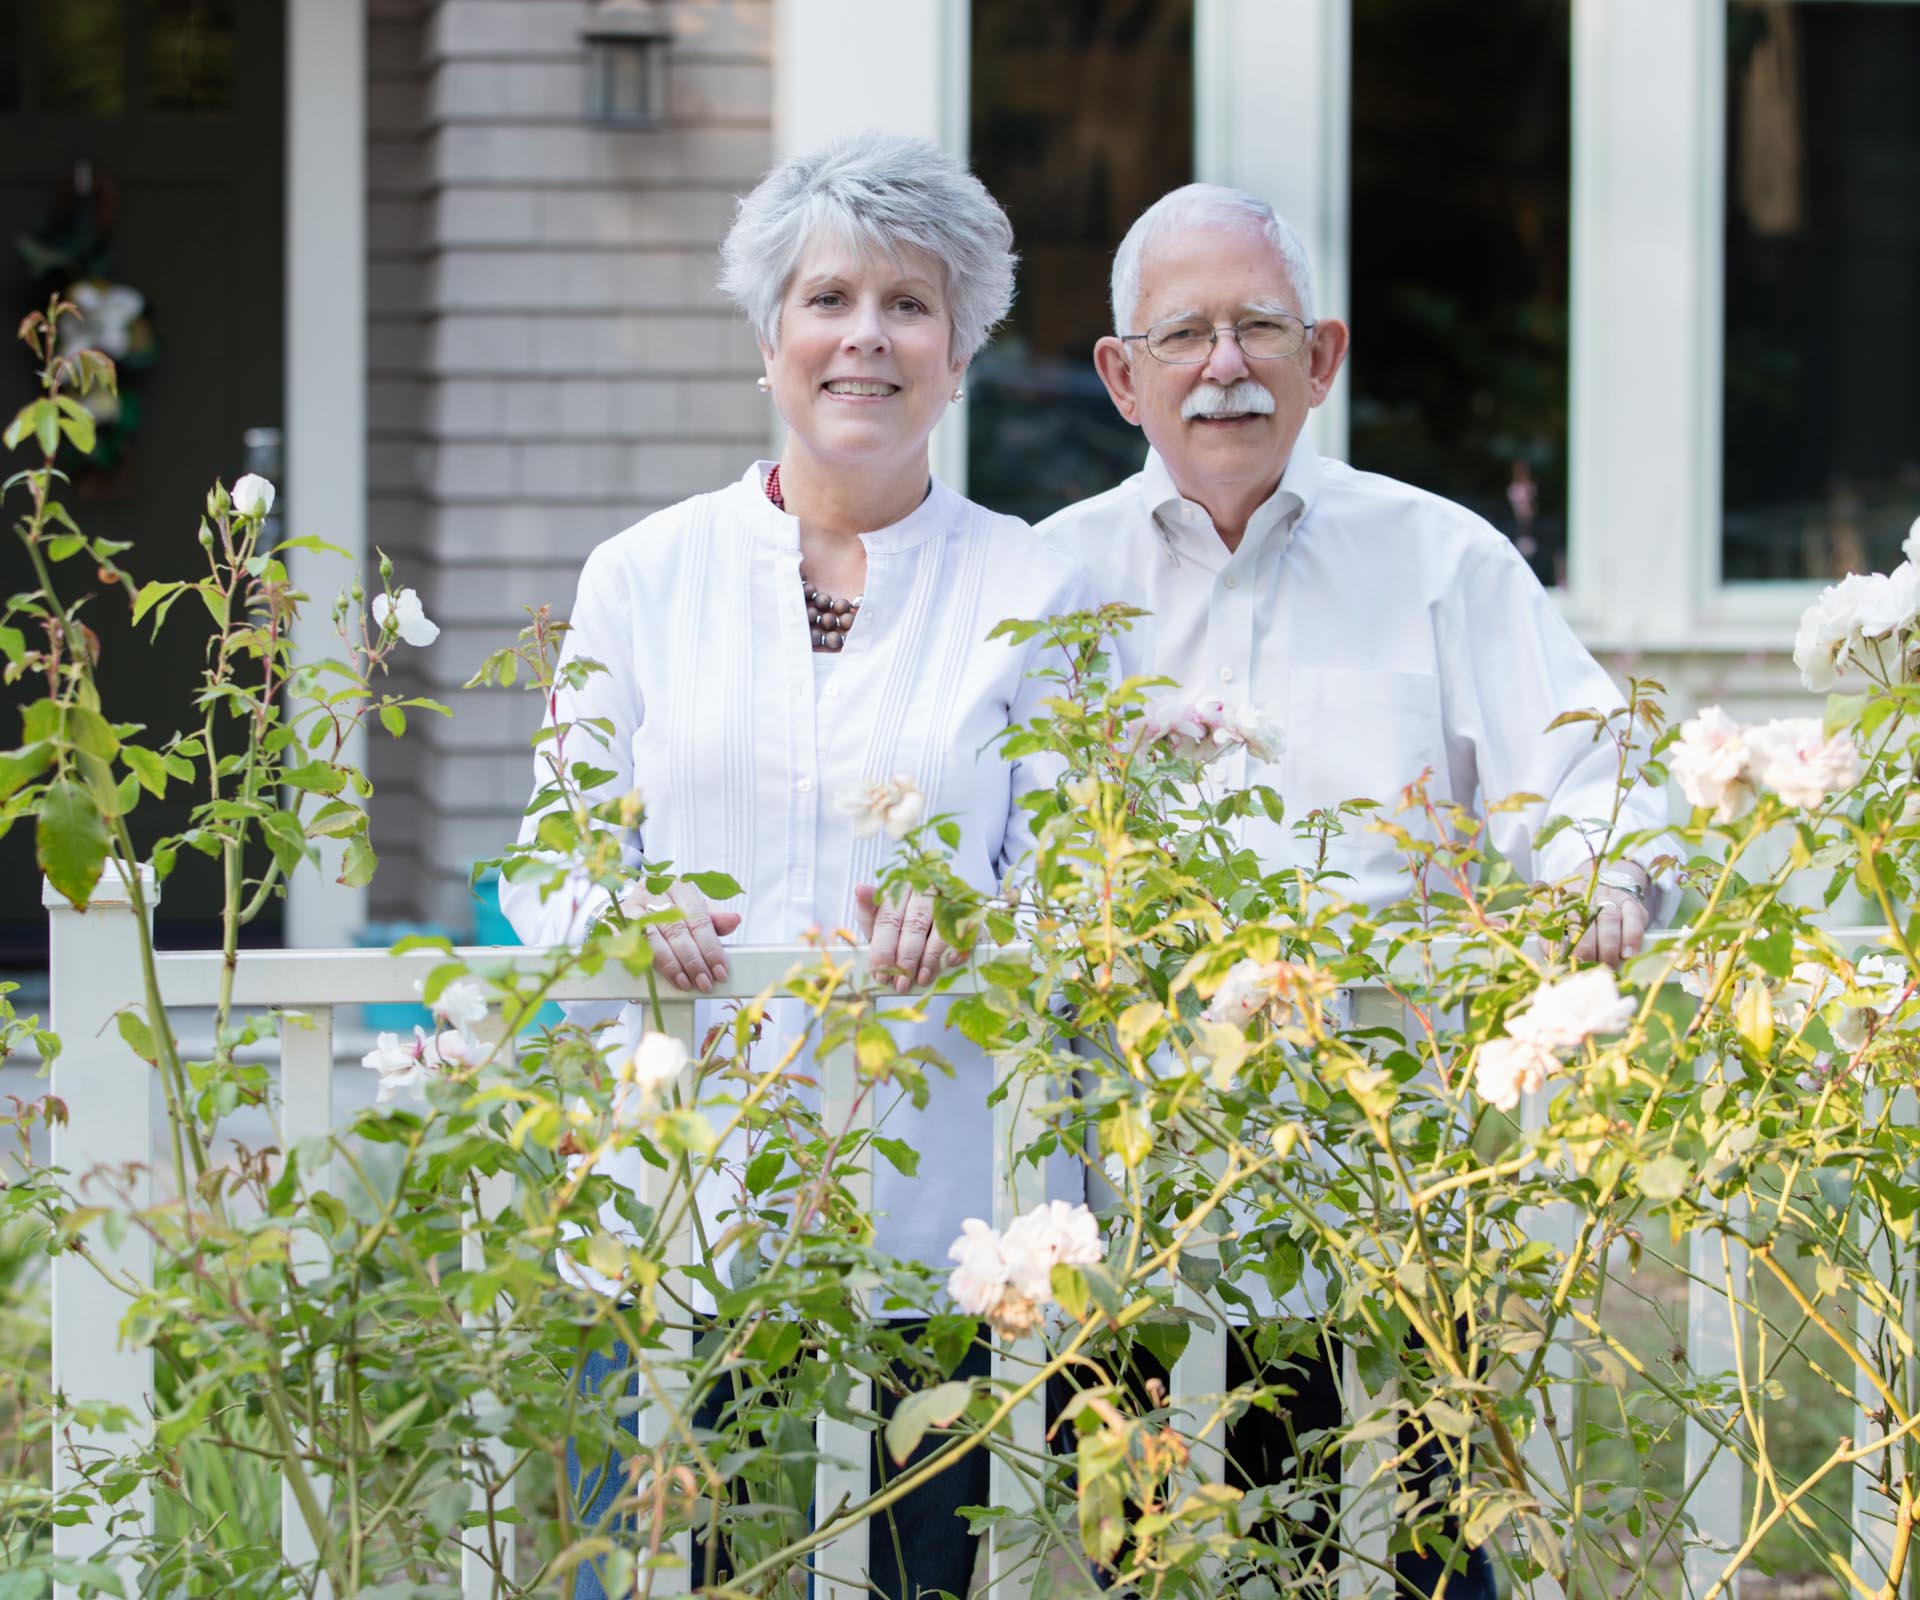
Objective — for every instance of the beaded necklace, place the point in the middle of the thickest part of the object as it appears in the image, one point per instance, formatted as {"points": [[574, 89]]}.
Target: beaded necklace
{"points": [[828, 619]]}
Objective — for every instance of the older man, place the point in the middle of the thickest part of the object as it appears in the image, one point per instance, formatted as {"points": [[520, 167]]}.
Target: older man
{"points": [[1387, 630]]}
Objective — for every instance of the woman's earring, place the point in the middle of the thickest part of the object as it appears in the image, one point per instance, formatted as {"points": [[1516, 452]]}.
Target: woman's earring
{"points": [[960, 392], [763, 386]]}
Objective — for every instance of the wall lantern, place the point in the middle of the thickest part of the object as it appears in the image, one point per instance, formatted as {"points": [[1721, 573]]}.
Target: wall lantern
{"points": [[626, 44]]}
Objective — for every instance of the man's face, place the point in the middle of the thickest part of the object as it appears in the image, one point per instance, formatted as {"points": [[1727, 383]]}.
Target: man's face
{"points": [[1212, 438]]}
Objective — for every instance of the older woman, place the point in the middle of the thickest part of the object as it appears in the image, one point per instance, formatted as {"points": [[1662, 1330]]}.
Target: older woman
{"points": [[821, 625]]}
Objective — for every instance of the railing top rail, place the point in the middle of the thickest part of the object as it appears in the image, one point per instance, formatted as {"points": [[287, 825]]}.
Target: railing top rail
{"points": [[353, 977]]}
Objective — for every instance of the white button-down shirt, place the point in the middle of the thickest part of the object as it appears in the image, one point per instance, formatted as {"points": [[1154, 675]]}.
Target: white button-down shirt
{"points": [[1388, 632], [722, 723]]}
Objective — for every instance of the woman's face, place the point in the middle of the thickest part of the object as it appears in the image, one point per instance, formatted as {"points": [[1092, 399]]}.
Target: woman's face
{"points": [[864, 368]]}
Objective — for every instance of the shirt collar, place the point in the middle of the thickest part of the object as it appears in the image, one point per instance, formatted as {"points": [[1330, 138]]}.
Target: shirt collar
{"points": [[1187, 530], [934, 514]]}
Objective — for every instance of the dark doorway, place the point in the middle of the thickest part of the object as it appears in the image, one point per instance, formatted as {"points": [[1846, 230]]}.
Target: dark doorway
{"points": [[141, 149]]}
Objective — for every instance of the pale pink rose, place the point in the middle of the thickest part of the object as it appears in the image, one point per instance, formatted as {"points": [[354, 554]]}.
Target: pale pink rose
{"points": [[402, 1064], [1710, 763], [1250, 726], [1505, 1069], [1794, 757], [1829, 635], [1182, 726], [1246, 991], [463, 1002], [1565, 1014], [1052, 1234], [1889, 602]]}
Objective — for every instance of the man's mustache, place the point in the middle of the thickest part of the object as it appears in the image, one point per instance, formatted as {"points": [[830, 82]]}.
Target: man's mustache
{"points": [[1234, 400]]}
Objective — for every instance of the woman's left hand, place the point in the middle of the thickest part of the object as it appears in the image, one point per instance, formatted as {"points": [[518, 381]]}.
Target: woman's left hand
{"points": [[901, 938]]}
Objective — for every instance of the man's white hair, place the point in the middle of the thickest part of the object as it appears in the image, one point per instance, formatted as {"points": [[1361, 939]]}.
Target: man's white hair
{"points": [[1200, 205], [875, 193]]}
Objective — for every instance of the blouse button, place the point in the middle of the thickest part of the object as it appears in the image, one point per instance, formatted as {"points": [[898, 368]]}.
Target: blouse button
{"points": [[832, 690], [1233, 581], [805, 786], [1226, 674]]}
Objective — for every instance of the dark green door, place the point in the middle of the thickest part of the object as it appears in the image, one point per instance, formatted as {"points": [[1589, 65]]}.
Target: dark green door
{"points": [[141, 147]]}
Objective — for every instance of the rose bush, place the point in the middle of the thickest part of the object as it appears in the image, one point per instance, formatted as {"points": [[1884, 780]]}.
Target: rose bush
{"points": [[1422, 1121]]}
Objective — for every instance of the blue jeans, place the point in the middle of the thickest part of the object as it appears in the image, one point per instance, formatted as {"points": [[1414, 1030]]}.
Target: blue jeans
{"points": [[918, 1546]]}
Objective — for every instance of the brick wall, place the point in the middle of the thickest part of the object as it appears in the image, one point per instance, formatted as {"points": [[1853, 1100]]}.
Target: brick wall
{"points": [[549, 359]]}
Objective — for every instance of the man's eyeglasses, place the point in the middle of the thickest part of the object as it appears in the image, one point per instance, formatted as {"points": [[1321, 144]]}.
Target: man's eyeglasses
{"points": [[1187, 341]]}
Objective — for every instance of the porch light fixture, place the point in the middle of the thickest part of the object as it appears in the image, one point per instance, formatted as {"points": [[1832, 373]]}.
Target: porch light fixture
{"points": [[626, 44]]}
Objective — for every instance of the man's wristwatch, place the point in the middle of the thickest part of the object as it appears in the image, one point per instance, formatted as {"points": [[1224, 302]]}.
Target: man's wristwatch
{"points": [[1625, 879]]}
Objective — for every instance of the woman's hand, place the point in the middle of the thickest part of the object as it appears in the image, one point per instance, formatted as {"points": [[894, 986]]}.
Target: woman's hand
{"points": [[686, 951], [901, 938]]}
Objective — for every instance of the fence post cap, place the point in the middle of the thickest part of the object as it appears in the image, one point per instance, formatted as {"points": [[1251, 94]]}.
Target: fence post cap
{"points": [[111, 890]]}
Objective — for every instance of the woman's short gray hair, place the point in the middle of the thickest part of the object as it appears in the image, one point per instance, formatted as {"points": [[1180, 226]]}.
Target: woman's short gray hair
{"points": [[1200, 205], [875, 192]]}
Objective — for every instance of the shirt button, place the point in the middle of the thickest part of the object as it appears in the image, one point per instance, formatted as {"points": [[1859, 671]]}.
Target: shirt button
{"points": [[1226, 674], [805, 786], [832, 690], [1233, 582], [1186, 513]]}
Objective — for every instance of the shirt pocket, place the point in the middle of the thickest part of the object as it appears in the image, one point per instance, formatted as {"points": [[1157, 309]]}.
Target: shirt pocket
{"points": [[1362, 735]]}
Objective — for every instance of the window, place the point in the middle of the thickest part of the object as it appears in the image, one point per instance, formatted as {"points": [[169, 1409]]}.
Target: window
{"points": [[1081, 116], [1821, 387], [1460, 161]]}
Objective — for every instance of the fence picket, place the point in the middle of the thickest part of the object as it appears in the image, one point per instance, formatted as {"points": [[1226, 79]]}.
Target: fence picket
{"points": [[845, 1476], [94, 972], [1718, 1293], [1874, 1475], [1555, 1225], [306, 1113], [488, 1570], [677, 1249], [1012, 1485]]}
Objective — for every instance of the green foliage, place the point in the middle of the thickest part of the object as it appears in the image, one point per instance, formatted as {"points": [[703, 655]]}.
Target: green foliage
{"points": [[1269, 1087]]}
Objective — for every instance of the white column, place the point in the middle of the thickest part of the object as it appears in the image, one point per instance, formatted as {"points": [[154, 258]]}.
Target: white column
{"points": [[326, 332], [109, 1095], [846, 66], [1644, 407], [1271, 96]]}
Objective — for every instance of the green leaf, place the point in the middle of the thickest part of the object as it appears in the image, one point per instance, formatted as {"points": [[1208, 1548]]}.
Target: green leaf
{"points": [[318, 777], [1664, 1179], [902, 1156], [148, 767], [151, 594], [356, 869], [394, 720], [714, 885], [70, 841], [139, 1036], [18, 767], [14, 643], [929, 1408]]}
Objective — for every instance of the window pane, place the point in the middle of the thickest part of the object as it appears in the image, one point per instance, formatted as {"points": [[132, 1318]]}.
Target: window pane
{"points": [[1462, 122], [1081, 116], [83, 57], [190, 55], [1822, 375]]}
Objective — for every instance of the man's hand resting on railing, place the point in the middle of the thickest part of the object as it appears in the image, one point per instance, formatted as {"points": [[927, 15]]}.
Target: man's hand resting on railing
{"points": [[1619, 925], [686, 951], [901, 939]]}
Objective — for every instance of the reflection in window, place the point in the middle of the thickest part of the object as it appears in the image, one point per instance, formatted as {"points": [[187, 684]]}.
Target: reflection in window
{"points": [[190, 55], [82, 57], [1822, 364], [1081, 116], [1462, 127]]}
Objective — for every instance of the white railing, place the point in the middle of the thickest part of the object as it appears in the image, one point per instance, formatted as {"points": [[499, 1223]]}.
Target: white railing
{"points": [[110, 1095]]}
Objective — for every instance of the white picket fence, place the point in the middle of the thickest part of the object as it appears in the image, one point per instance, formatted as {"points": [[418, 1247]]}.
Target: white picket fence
{"points": [[110, 1095]]}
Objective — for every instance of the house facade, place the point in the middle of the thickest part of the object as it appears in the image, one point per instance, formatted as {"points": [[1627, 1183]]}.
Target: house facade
{"points": [[1637, 279]]}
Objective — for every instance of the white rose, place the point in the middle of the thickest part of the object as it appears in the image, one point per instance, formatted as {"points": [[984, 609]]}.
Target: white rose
{"points": [[408, 616], [1176, 721], [1889, 603], [1505, 1069], [1794, 757], [1052, 1234], [1250, 726], [1563, 1015], [451, 1050], [1710, 763], [896, 806], [1829, 632], [645, 1076], [1910, 546], [1246, 991], [980, 1279], [463, 1002], [252, 496], [403, 1067]]}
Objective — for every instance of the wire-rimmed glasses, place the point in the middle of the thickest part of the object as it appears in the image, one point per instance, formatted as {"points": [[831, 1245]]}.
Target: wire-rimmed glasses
{"points": [[1187, 341]]}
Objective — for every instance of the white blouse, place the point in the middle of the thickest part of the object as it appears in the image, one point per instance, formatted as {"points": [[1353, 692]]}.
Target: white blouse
{"points": [[738, 750]]}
